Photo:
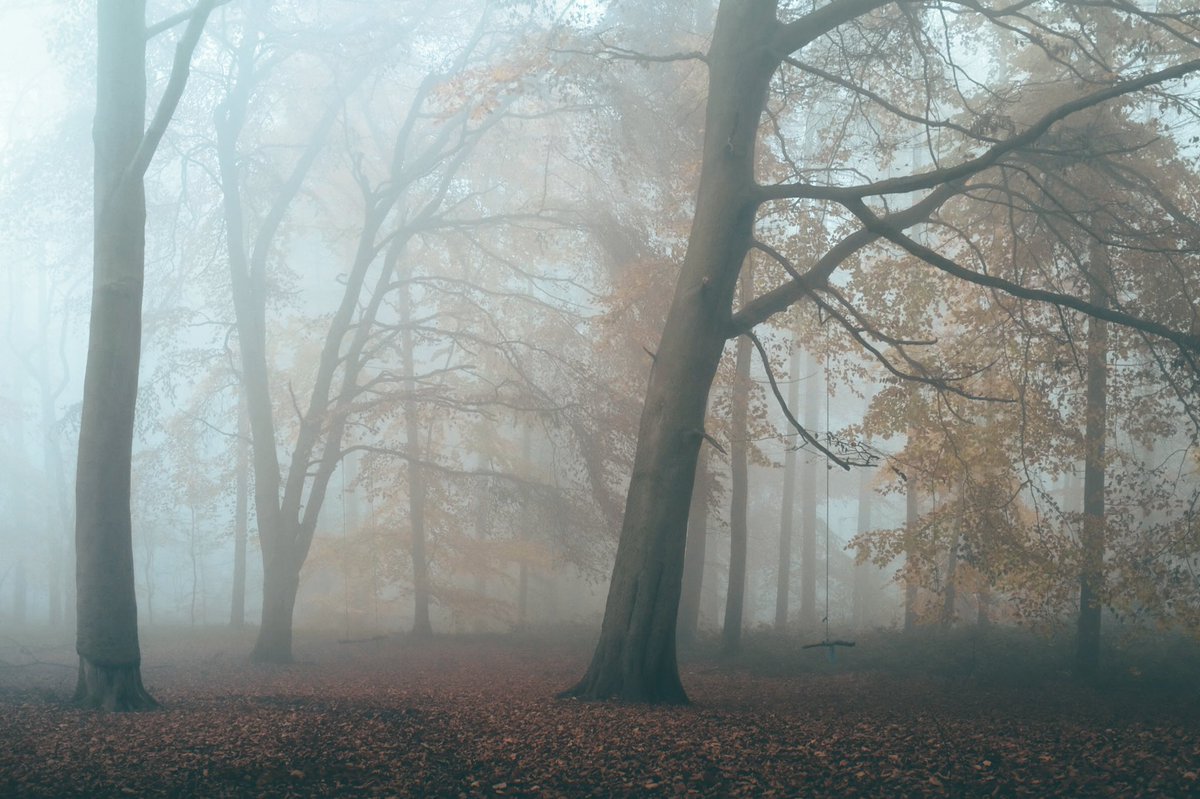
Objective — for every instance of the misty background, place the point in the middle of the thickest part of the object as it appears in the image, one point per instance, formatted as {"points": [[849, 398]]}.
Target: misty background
{"points": [[495, 217]]}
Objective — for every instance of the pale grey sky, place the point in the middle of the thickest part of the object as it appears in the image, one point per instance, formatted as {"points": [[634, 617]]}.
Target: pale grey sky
{"points": [[30, 82]]}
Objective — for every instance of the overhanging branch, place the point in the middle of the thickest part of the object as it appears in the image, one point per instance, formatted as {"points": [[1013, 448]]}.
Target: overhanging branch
{"points": [[882, 228]]}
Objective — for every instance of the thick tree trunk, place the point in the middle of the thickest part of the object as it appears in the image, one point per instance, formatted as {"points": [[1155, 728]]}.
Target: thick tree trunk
{"points": [[911, 514], [635, 658], [694, 554], [950, 591], [1091, 575], [106, 608], [783, 582], [808, 504], [739, 447], [281, 581]]}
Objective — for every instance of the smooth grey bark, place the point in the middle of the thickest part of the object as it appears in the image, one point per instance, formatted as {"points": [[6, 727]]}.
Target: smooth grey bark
{"points": [[694, 553], [1091, 574], [635, 657], [783, 582], [739, 484], [106, 607]]}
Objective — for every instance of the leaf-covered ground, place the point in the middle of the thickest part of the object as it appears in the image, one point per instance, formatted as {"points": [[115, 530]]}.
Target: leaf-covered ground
{"points": [[478, 717]]}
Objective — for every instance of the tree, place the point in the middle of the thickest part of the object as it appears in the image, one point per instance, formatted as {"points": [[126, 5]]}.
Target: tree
{"points": [[783, 580], [739, 486], [1091, 573], [635, 656], [106, 608]]}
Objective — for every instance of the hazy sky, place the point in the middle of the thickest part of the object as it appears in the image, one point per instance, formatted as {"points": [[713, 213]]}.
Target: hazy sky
{"points": [[30, 84]]}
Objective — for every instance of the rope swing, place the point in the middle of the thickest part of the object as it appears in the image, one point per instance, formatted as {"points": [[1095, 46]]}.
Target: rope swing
{"points": [[830, 644]]}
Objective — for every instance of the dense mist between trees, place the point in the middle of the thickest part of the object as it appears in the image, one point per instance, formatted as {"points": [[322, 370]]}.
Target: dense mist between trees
{"points": [[661, 322]]}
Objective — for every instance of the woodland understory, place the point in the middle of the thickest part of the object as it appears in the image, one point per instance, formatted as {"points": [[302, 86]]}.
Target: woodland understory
{"points": [[968, 713]]}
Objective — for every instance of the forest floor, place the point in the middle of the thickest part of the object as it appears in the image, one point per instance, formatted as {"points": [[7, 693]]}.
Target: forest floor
{"points": [[477, 716]]}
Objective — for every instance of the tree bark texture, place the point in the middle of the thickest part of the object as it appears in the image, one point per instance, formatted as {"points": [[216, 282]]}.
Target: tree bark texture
{"points": [[106, 607], [635, 658], [694, 553]]}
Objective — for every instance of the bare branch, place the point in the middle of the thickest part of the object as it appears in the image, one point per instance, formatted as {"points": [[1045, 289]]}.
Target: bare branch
{"points": [[807, 436], [170, 22], [883, 228], [990, 157], [174, 91]]}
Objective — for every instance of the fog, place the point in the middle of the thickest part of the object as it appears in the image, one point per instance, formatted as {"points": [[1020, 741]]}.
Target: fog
{"points": [[411, 263]]}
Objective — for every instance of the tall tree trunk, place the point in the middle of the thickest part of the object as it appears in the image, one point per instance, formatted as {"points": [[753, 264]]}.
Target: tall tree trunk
{"points": [[247, 271], [416, 477], [237, 605], [287, 520], [911, 515], [483, 526], [1091, 575], [635, 658], [739, 447], [950, 590], [861, 598], [694, 553], [808, 502], [106, 607], [106, 635], [783, 582], [55, 478], [950, 598], [195, 573], [281, 582], [523, 562]]}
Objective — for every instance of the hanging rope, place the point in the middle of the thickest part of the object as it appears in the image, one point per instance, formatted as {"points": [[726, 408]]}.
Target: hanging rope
{"points": [[828, 643]]}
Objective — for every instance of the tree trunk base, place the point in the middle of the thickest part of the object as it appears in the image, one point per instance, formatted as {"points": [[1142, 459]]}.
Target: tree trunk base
{"points": [[595, 687], [113, 688], [268, 653]]}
